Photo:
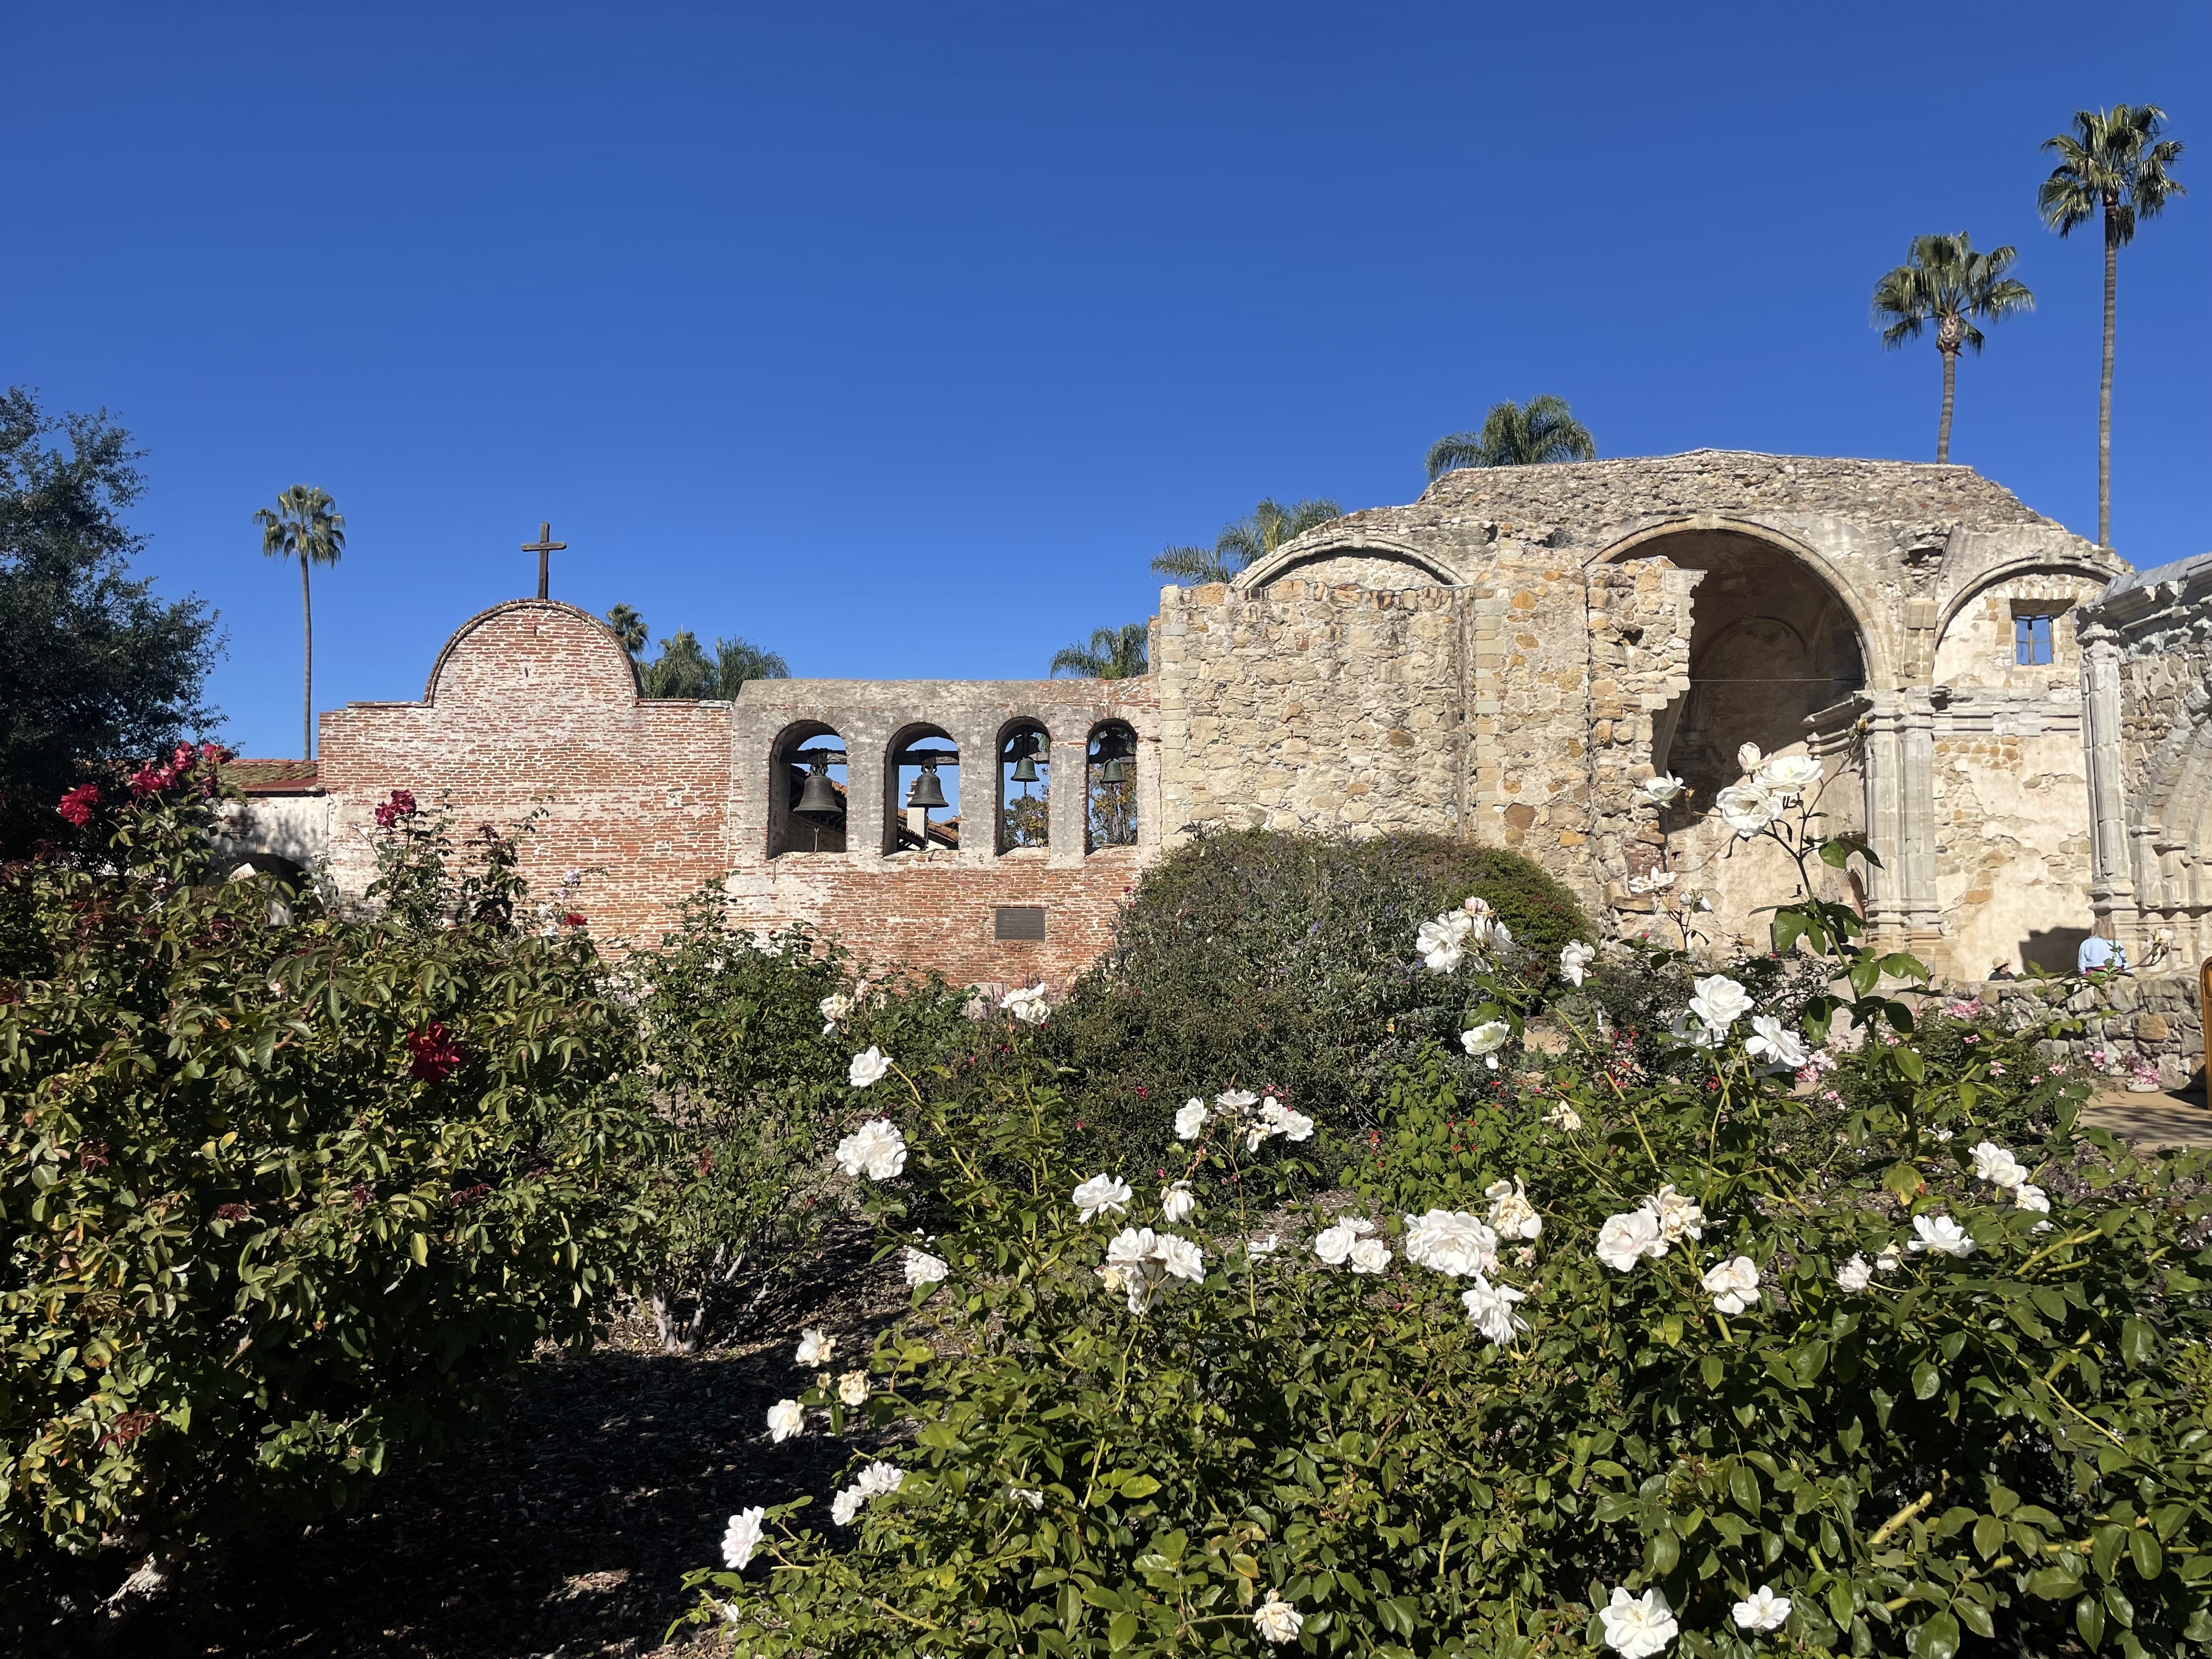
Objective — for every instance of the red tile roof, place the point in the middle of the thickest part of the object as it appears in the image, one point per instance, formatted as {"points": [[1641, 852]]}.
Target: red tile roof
{"points": [[274, 777]]}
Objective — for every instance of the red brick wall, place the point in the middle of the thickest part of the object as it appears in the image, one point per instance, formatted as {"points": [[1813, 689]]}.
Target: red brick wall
{"points": [[533, 705]]}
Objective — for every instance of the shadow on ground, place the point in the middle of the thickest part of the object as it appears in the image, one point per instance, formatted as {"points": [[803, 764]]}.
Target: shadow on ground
{"points": [[567, 1531]]}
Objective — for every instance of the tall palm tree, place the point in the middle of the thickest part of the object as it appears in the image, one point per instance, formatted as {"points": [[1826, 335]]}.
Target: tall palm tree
{"points": [[2113, 163], [1249, 539], [1114, 653], [303, 526], [629, 627], [1515, 435], [1945, 281]]}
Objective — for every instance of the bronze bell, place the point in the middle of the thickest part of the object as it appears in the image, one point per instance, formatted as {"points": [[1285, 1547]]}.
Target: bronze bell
{"points": [[927, 792], [1026, 769], [1114, 771], [819, 799]]}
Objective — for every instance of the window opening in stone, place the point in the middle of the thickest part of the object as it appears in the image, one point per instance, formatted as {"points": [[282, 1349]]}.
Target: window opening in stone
{"points": [[2031, 640], [923, 810], [1025, 786], [807, 803], [1110, 794]]}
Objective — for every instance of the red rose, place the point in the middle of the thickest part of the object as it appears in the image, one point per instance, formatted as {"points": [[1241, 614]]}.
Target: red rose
{"points": [[574, 919], [401, 805], [149, 779], [77, 805], [436, 1056]]}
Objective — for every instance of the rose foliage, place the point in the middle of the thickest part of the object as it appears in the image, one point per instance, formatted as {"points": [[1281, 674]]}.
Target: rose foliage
{"points": [[1719, 1366], [283, 1193]]}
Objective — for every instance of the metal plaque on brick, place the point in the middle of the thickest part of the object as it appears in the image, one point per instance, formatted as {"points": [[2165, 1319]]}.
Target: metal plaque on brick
{"points": [[1019, 921]]}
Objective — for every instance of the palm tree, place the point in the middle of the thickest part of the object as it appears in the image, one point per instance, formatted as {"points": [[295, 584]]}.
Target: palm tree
{"points": [[1944, 281], [1249, 540], [629, 627], [1515, 435], [2114, 163], [302, 526], [1114, 653]]}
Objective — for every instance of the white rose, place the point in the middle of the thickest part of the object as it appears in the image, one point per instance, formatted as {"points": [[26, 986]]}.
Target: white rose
{"points": [[743, 1537], [1941, 1234], [1179, 1257], [1280, 1120], [1484, 1041], [1889, 1261], [923, 1268], [1638, 1626], [1027, 1005], [880, 1478], [1369, 1255], [1575, 957], [1276, 1620], [1788, 776], [1027, 1495], [1189, 1119], [1512, 1214], [1333, 1244], [846, 1503], [1994, 1164], [1238, 1101], [1748, 757], [2028, 1196], [785, 1419], [869, 1067], [1442, 942], [1563, 1116], [1734, 1285], [1625, 1239], [1720, 1001], [1855, 1275], [1178, 1202], [1664, 790], [815, 1348], [1763, 1610], [1491, 1308], [1776, 1041], [852, 1388], [1100, 1192], [1681, 1216], [1452, 1242], [1746, 809], [876, 1147]]}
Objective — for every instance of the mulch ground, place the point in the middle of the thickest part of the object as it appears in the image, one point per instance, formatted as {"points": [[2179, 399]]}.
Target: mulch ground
{"points": [[566, 1532]]}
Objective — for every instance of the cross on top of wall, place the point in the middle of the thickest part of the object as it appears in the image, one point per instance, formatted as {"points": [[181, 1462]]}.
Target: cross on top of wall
{"points": [[542, 547]]}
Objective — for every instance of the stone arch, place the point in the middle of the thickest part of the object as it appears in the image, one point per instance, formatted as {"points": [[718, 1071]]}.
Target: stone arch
{"points": [[525, 645], [1110, 806], [796, 752], [911, 830], [1016, 827], [1338, 556], [1974, 641], [1776, 636]]}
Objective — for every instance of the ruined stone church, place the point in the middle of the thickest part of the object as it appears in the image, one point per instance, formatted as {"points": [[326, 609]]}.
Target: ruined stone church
{"points": [[2016, 719]]}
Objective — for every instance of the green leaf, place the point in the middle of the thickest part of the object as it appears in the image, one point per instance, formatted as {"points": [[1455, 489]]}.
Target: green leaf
{"points": [[1139, 1485], [1712, 1370], [1908, 1061], [1743, 1486], [1988, 1536], [2090, 1620], [2137, 1341], [1936, 1639], [1121, 1630], [1926, 1380], [2143, 1551]]}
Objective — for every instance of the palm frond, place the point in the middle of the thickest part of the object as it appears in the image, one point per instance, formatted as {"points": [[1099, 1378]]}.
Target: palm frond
{"points": [[1192, 566]]}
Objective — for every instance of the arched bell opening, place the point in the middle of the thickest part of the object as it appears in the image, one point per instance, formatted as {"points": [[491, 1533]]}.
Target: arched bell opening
{"points": [[1025, 786], [922, 805], [1771, 644], [807, 801], [1109, 815]]}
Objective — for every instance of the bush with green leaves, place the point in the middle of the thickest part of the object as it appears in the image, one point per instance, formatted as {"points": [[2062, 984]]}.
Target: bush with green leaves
{"points": [[285, 1194], [1587, 1358], [1283, 962]]}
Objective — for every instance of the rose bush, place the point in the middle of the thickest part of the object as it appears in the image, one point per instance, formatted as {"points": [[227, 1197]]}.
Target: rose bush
{"points": [[1601, 1356], [283, 1194]]}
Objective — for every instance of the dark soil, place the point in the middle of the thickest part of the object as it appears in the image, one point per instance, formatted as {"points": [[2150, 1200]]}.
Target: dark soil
{"points": [[566, 1532]]}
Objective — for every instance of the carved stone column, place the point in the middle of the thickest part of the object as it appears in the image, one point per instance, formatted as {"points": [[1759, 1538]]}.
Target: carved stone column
{"points": [[2111, 874], [1888, 917]]}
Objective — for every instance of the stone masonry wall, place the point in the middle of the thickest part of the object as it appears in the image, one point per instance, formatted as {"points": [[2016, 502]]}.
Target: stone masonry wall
{"points": [[2153, 1017]]}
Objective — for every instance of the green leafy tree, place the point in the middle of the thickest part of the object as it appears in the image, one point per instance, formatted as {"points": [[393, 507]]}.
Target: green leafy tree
{"points": [[304, 525], [1542, 429], [1946, 283], [2113, 166], [1246, 541], [94, 665], [1114, 653], [683, 668]]}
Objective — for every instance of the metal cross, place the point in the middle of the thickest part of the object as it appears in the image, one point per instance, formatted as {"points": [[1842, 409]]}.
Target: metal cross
{"points": [[541, 547]]}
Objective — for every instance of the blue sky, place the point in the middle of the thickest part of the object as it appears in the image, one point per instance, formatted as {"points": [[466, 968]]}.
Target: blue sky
{"points": [[898, 338]]}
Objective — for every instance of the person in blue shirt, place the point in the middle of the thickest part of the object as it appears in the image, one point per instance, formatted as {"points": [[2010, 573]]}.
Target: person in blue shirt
{"points": [[2098, 951]]}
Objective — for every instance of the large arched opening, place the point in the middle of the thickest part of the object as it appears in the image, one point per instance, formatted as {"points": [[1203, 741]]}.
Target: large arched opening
{"points": [[1772, 645]]}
